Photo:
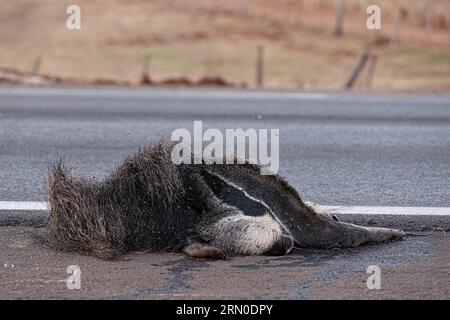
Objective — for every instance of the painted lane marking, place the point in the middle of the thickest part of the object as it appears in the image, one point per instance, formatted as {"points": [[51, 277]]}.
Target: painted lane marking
{"points": [[364, 210]]}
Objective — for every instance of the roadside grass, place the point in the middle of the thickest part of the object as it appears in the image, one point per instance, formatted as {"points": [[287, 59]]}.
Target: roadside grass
{"points": [[191, 42]]}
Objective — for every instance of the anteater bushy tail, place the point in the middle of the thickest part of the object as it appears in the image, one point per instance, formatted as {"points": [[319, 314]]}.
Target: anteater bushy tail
{"points": [[76, 222]]}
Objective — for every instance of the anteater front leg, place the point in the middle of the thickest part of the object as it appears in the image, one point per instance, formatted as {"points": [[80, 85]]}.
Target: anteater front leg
{"points": [[198, 249]]}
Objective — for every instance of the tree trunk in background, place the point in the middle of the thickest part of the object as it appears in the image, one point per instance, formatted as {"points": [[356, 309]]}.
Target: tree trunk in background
{"points": [[340, 11]]}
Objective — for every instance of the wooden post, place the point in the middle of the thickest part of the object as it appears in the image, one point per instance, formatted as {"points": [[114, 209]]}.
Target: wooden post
{"points": [[397, 26], [357, 70], [364, 6], [37, 66], [286, 16], [146, 64], [260, 66], [447, 21], [340, 11], [244, 8], [371, 71], [145, 76], [428, 19]]}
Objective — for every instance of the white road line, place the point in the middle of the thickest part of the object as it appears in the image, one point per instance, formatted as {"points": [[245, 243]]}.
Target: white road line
{"points": [[374, 210], [23, 205], [396, 211]]}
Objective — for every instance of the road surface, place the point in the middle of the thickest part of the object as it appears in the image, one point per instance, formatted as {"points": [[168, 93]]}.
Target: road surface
{"points": [[336, 149], [415, 268]]}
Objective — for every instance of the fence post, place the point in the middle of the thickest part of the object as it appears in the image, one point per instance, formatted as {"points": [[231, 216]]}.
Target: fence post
{"points": [[447, 21], [364, 6], [398, 23], [371, 71], [357, 70], [340, 11], [145, 76], [286, 16], [260, 66], [36, 66], [244, 8], [428, 19], [146, 64]]}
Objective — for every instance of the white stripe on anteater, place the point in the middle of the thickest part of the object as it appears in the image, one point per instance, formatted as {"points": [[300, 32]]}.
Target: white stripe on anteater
{"points": [[252, 198]]}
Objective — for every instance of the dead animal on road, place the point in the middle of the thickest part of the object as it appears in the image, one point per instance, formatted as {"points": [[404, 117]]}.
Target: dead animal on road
{"points": [[204, 210]]}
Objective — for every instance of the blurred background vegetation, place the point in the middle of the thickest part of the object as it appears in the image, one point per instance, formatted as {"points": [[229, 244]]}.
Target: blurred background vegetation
{"points": [[197, 38]]}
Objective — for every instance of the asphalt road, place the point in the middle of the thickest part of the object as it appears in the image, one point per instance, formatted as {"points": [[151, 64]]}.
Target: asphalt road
{"points": [[336, 149], [415, 268]]}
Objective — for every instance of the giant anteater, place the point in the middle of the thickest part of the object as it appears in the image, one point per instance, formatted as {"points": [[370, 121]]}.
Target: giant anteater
{"points": [[207, 211]]}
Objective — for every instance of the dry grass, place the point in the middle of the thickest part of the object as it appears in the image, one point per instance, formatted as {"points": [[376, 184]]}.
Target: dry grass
{"points": [[201, 37]]}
